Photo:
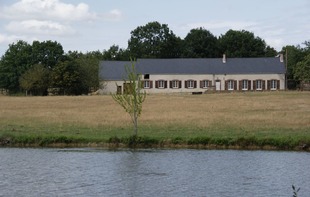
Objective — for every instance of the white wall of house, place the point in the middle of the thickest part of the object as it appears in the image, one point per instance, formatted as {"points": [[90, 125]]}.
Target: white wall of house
{"points": [[179, 83], [108, 87]]}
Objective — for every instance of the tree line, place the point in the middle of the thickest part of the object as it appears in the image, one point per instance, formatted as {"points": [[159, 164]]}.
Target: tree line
{"points": [[42, 66], [36, 67]]}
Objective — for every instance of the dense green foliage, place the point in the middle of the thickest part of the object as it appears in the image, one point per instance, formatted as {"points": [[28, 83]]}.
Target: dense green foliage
{"points": [[17, 60], [297, 61], [19, 70], [154, 40], [66, 77], [200, 43], [243, 44], [116, 53], [47, 53], [35, 80], [37, 67], [302, 69]]}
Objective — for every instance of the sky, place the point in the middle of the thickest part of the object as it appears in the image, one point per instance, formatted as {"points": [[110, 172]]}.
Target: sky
{"points": [[91, 25]]}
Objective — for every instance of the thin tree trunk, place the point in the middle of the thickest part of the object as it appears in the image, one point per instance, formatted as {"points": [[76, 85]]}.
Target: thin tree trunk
{"points": [[135, 116], [136, 127]]}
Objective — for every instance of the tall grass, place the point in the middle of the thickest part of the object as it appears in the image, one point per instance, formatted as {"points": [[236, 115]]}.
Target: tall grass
{"points": [[278, 119]]}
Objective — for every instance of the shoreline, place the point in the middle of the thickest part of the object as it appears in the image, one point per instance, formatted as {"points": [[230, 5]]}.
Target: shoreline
{"points": [[164, 145]]}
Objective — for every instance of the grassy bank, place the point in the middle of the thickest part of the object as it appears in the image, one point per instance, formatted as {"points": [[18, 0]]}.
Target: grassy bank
{"points": [[227, 120]]}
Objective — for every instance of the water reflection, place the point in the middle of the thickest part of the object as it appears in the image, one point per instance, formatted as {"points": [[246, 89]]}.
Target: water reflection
{"points": [[98, 172]]}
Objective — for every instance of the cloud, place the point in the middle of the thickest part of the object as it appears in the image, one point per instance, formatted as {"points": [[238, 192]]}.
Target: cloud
{"points": [[113, 15], [39, 27], [43, 19], [7, 39], [47, 9], [277, 43], [55, 10]]}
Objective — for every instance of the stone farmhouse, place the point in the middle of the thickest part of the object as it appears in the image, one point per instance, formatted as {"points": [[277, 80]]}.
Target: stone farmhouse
{"points": [[197, 75]]}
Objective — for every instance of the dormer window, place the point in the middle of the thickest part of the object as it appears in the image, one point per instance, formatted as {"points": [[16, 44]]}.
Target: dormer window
{"points": [[147, 76]]}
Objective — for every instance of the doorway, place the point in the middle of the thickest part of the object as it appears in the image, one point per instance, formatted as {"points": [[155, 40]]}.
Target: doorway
{"points": [[119, 90], [218, 85]]}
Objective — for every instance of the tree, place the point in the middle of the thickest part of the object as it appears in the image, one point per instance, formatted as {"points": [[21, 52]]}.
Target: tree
{"points": [[294, 54], [302, 70], [242, 44], [132, 101], [88, 68], [154, 40], [200, 43], [172, 47], [47, 53], [270, 52], [22, 56], [116, 53], [66, 76], [35, 80], [79, 70], [307, 48], [16, 61]]}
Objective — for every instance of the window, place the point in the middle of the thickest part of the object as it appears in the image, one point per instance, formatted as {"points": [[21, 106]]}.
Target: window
{"points": [[259, 85], [244, 84], [190, 84], [147, 76], [273, 84], [231, 85], [146, 84], [205, 84], [161, 84], [175, 84]]}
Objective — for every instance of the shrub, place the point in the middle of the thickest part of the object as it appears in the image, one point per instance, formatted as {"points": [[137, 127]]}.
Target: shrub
{"points": [[144, 141], [199, 140], [177, 140], [244, 142], [222, 141], [114, 140]]}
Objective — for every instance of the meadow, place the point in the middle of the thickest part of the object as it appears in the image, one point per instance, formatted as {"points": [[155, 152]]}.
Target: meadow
{"points": [[253, 119]]}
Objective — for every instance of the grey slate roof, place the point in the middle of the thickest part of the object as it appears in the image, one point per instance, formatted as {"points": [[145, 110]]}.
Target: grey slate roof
{"points": [[114, 70]]}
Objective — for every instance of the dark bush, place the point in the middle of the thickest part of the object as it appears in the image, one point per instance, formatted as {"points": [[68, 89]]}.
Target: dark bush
{"points": [[114, 140], [177, 140], [144, 141], [199, 140]]}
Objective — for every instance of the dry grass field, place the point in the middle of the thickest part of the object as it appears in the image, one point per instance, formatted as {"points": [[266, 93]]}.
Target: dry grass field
{"points": [[261, 114]]}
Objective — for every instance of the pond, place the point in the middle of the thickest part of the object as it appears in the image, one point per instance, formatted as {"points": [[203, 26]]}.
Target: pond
{"points": [[148, 172]]}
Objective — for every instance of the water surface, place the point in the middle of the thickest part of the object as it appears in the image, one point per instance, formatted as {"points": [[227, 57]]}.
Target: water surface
{"points": [[98, 172]]}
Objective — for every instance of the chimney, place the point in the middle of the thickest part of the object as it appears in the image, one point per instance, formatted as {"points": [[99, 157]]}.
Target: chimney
{"points": [[224, 58], [281, 58]]}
